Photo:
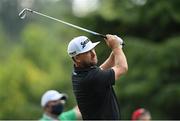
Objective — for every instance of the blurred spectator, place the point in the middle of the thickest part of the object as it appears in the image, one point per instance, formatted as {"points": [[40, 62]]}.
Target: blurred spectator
{"points": [[53, 103], [141, 114]]}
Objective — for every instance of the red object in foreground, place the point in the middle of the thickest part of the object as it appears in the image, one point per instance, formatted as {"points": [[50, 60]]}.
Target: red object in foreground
{"points": [[137, 113]]}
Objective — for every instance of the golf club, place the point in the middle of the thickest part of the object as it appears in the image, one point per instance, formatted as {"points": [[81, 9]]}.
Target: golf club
{"points": [[23, 13]]}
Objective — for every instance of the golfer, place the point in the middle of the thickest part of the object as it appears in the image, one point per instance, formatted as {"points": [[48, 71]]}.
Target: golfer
{"points": [[92, 85]]}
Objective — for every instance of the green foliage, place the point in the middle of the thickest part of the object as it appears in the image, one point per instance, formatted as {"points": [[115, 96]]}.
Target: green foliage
{"points": [[36, 64], [152, 79], [149, 19], [3, 42]]}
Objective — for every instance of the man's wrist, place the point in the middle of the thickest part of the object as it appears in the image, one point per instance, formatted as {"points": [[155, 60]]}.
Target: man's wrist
{"points": [[117, 48]]}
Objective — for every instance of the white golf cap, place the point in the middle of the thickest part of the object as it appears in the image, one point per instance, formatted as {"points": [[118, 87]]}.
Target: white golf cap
{"points": [[80, 45], [51, 95]]}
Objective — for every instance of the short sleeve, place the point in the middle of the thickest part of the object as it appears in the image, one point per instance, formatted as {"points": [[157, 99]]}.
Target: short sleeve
{"points": [[69, 115]]}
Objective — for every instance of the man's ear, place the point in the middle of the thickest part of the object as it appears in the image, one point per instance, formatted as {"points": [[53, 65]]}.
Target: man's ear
{"points": [[76, 59], [47, 108]]}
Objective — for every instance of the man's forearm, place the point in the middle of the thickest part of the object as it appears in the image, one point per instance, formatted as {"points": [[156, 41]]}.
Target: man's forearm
{"points": [[108, 63], [120, 60]]}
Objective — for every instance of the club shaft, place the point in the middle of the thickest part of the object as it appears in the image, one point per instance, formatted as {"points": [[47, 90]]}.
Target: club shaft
{"points": [[69, 24]]}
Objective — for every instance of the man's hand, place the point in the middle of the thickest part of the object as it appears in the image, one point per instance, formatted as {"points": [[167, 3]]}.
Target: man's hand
{"points": [[113, 41], [121, 42]]}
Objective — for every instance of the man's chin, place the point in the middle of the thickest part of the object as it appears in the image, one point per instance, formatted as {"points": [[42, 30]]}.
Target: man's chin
{"points": [[94, 63], [89, 65]]}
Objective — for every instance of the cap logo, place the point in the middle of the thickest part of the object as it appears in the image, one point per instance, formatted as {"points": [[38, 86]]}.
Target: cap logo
{"points": [[73, 53], [84, 43]]}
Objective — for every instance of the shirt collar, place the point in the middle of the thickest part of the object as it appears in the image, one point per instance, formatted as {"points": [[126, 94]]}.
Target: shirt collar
{"points": [[79, 69], [46, 117]]}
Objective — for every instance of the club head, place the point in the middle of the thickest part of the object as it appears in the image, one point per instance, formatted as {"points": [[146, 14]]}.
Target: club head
{"points": [[22, 14]]}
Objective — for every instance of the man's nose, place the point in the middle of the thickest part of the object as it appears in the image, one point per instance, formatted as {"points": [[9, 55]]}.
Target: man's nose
{"points": [[93, 53]]}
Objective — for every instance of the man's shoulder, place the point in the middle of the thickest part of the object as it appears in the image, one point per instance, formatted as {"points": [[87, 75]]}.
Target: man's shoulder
{"points": [[98, 72], [68, 115]]}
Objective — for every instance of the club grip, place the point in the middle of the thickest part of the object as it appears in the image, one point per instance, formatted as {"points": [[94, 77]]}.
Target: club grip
{"points": [[103, 36]]}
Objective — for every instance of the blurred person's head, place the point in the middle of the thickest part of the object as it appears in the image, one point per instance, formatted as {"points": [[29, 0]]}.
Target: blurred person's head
{"points": [[141, 114], [53, 102]]}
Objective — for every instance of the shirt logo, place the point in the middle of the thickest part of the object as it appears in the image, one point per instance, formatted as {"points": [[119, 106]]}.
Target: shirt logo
{"points": [[84, 43], [74, 73]]}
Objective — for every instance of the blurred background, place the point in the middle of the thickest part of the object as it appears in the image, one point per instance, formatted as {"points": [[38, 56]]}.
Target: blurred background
{"points": [[33, 55]]}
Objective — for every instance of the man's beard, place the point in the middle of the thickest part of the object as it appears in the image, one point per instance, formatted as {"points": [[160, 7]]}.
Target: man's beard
{"points": [[88, 64]]}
